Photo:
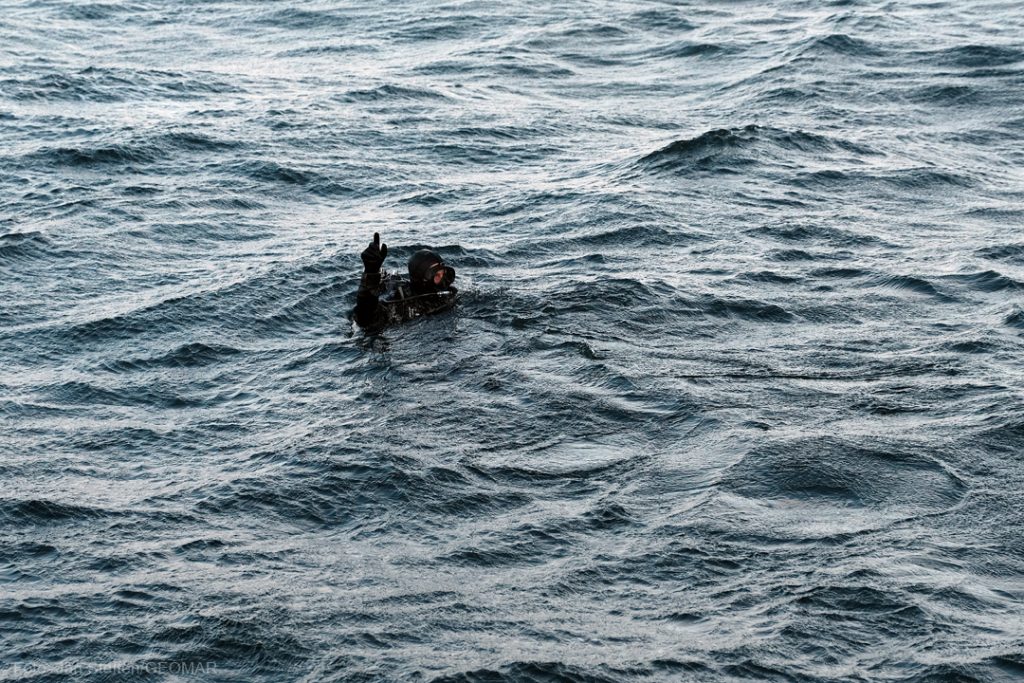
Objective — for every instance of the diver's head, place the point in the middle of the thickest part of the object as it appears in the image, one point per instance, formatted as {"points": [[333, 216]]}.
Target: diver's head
{"points": [[429, 273]]}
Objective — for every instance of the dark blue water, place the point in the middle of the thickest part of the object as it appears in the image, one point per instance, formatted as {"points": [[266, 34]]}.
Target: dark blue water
{"points": [[733, 393]]}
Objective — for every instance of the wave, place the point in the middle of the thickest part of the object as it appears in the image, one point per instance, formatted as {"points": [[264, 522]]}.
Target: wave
{"points": [[302, 19], [1013, 253], [804, 255], [685, 49], [525, 545], [684, 152], [348, 493], [519, 671], [198, 232], [949, 95], [191, 355], [104, 11], [836, 473], [1015, 318], [501, 133], [114, 154], [195, 141], [420, 28], [683, 345], [987, 281], [152, 394], [633, 236], [284, 299], [543, 472], [488, 66], [139, 150], [840, 44], [107, 84], [487, 153], [870, 278], [38, 511], [976, 56], [813, 232], [906, 282], [388, 92], [745, 309], [768, 277], [327, 50], [21, 246], [672, 19], [922, 179], [273, 173], [604, 295], [971, 346], [726, 149]]}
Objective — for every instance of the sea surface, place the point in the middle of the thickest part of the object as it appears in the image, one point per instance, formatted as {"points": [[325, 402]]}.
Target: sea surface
{"points": [[734, 391]]}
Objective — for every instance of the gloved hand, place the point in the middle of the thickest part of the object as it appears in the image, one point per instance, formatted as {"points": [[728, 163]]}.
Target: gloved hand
{"points": [[373, 256]]}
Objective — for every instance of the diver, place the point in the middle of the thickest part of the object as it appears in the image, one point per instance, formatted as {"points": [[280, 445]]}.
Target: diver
{"points": [[385, 299]]}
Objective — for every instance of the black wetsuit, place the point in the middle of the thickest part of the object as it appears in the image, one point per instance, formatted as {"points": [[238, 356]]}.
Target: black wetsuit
{"points": [[385, 299]]}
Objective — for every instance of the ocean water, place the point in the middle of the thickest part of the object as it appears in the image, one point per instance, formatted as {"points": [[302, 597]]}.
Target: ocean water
{"points": [[734, 390]]}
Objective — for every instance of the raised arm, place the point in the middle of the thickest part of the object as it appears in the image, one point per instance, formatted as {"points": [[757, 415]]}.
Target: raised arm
{"points": [[367, 298]]}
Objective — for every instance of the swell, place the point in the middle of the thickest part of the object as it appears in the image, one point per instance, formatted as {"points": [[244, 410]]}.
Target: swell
{"points": [[280, 299], [880, 279], [729, 149], [36, 511], [191, 355], [975, 56], [835, 473], [651, 303], [138, 151], [642, 236], [921, 179], [361, 496], [105, 84], [719, 401], [1012, 253], [22, 246], [390, 92]]}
